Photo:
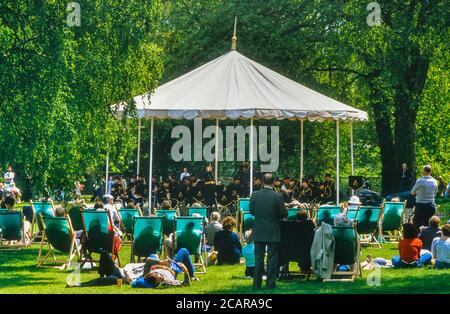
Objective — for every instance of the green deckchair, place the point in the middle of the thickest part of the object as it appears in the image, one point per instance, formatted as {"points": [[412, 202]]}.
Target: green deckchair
{"points": [[327, 214], [75, 218], [44, 208], [147, 237], [189, 235], [392, 221], [11, 229], [346, 252], [202, 211], [292, 213], [243, 204], [60, 236], [168, 221], [96, 230], [127, 216], [247, 223], [352, 213], [367, 222]]}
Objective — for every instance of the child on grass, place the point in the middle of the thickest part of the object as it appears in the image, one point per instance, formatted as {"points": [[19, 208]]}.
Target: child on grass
{"points": [[440, 248], [249, 254], [410, 248]]}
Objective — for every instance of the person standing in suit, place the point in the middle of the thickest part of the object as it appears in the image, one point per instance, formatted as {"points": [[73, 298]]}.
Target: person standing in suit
{"points": [[268, 208]]}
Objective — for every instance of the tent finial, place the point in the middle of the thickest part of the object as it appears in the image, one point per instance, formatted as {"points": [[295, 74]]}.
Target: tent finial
{"points": [[234, 38]]}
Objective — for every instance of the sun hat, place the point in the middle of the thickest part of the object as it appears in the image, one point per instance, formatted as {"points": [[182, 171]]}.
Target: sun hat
{"points": [[354, 200]]}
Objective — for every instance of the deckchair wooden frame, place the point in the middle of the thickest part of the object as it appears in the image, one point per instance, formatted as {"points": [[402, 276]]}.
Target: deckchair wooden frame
{"points": [[397, 235], [34, 223], [203, 259], [73, 252], [122, 225], [355, 268], [239, 211]]}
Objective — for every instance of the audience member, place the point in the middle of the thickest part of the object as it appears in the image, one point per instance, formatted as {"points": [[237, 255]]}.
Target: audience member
{"points": [[227, 244], [410, 250]]}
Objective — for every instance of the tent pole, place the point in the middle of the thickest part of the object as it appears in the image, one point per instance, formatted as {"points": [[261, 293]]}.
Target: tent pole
{"points": [[301, 151], [139, 147], [337, 162], [107, 171], [216, 166], [150, 175], [351, 153], [251, 155]]}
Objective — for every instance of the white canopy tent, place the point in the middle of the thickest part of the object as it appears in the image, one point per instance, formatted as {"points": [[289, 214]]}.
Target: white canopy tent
{"points": [[235, 87]]}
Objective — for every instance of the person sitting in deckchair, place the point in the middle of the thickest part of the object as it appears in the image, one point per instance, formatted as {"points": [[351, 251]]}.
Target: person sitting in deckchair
{"points": [[341, 220], [227, 244], [410, 248], [60, 212], [440, 248], [428, 234], [9, 203]]}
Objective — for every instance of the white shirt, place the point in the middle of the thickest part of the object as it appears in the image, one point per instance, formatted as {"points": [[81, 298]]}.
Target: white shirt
{"points": [[426, 189]]}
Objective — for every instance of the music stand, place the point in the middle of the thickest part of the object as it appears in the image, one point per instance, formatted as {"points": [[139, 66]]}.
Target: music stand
{"points": [[355, 182]]}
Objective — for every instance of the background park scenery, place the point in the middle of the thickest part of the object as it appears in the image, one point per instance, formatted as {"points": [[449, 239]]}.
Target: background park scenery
{"points": [[61, 73]]}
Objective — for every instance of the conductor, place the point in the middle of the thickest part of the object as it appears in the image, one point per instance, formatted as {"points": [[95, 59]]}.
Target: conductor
{"points": [[268, 208]]}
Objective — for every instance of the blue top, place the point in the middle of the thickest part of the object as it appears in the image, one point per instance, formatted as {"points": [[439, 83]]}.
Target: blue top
{"points": [[249, 254], [228, 247]]}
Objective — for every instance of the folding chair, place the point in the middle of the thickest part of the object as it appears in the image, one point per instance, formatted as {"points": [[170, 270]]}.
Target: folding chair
{"points": [[292, 213], [243, 204], [247, 223], [147, 237], [202, 211], [60, 236], [189, 235], [327, 214], [367, 223], [75, 218], [168, 221], [11, 229], [296, 241], [127, 216], [46, 209], [98, 236], [391, 224], [346, 252]]}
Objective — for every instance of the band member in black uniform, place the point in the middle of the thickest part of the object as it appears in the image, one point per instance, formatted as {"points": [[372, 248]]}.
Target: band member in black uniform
{"points": [[243, 174], [285, 184], [165, 194], [277, 185], [210, 186], [306, 194], [330, 187], [257, 183], [235, 188]]}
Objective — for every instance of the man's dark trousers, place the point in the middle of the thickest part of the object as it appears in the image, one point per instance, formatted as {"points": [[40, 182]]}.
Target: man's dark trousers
{"points": [[272, 264], [422, 213]]}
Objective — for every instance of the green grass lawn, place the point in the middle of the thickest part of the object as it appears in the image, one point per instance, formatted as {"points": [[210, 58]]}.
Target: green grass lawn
{"points": [[18, 274]]}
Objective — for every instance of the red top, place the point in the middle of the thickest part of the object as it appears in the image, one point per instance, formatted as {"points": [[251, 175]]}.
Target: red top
{"points": [[410, 249]]}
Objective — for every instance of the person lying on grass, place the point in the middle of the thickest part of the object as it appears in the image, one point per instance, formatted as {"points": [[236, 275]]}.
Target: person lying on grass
{"points": [[152, 273], [440, 248], [410, 249]]}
